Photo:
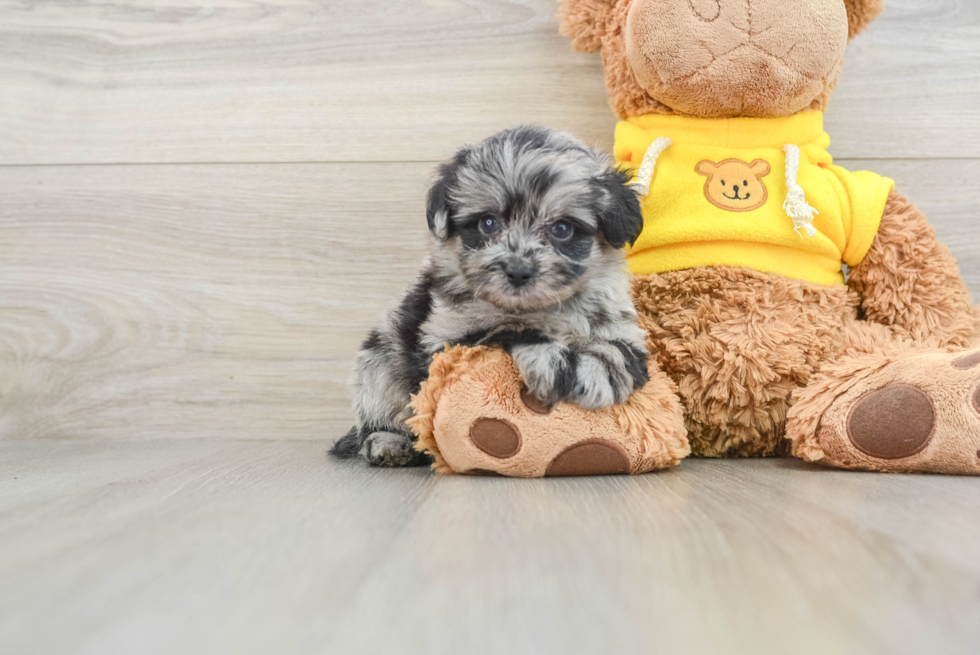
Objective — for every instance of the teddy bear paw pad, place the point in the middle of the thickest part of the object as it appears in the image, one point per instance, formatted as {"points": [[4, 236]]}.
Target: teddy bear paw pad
{"points": [[590, 457], [918, 414], [894, 422], [496, 437], [534, 404]]}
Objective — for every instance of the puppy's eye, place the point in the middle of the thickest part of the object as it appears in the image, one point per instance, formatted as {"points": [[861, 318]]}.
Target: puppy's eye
{"points": [[562, 231], [745, 183], [489, 225], [723, 182]]}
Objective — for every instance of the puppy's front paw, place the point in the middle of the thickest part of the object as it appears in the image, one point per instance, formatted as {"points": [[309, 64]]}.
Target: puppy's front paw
{"points": [[607, 373], [547, 370], [594, 387], [391, 449]]}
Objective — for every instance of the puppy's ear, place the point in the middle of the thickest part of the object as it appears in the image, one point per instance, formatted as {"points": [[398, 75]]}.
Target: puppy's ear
{"points": [[860, 13], [584, 22], [438, 209], [620, 216]]}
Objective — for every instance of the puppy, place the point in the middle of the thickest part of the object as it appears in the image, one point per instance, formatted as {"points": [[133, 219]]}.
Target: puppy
{"points": [[525, 253]]}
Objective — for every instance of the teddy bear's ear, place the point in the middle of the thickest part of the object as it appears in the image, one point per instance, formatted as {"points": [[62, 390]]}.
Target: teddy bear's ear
{"points": [[860, 13], [706, 168], [760, 168], [584, 22]]}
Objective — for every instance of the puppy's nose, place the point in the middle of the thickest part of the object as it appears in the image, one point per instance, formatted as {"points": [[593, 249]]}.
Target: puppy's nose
{"points": [[519, 274], [736, 189]]}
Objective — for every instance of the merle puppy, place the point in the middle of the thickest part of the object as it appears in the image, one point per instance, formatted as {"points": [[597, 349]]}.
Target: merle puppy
{"points": [[525, 253]]}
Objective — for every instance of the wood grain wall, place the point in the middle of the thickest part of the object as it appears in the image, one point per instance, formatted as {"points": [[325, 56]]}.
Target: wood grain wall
{"points": [[204, 206]]}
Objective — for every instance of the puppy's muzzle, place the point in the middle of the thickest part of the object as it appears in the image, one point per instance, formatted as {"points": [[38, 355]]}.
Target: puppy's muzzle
{"points": [[518, 273]]}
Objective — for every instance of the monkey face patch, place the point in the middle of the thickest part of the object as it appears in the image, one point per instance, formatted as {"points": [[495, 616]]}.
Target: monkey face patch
{"points": [[734, 185]]}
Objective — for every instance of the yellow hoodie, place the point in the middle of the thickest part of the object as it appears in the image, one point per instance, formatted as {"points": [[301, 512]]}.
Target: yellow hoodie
{"points": [[719, 187]]}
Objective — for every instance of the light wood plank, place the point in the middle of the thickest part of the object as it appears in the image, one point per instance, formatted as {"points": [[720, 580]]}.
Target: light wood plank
{"points": [[150, 301], [255, 547], [149, 564], [141, 302], [383, 80]]}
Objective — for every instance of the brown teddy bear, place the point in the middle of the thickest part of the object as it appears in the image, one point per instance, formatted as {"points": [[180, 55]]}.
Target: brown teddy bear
{"points": [[759, 343]]}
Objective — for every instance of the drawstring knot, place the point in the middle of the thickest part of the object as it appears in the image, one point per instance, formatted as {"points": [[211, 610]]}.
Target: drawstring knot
{"points": [[796, 206]]}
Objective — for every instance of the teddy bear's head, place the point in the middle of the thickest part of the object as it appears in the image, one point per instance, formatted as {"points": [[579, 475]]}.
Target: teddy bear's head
{"points": [[718, 58]]}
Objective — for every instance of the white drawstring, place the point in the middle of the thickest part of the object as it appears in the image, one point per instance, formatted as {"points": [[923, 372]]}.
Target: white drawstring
{"points": [[796, 206], [644, 176]]}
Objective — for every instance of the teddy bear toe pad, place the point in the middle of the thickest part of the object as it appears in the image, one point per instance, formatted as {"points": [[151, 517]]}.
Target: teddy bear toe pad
{"points": [[918, 414], [967, 362], [534, 404], [496, 437]]}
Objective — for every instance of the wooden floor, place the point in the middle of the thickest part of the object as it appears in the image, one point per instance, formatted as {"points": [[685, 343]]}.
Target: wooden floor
{"points": [[203, 207]]}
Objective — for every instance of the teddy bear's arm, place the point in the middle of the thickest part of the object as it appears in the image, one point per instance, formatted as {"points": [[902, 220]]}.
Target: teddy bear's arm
{"points": [[910, 281]]}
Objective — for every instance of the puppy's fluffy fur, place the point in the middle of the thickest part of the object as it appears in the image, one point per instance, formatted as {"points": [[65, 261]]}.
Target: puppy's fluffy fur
{"points": [[527, 231]]}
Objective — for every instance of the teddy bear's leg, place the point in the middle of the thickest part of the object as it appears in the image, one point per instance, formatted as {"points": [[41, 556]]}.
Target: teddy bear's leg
{"points": [[474, 415], [738, 343], [901, 392], [889, 405]]}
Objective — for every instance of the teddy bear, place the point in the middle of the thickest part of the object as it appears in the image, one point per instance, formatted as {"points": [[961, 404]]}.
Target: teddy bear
{"points": [[791, 306]]}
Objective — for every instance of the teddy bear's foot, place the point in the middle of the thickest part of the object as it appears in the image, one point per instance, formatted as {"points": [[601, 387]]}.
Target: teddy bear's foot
{"points": [[474, 416], [919, 413], [502, 440]]}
